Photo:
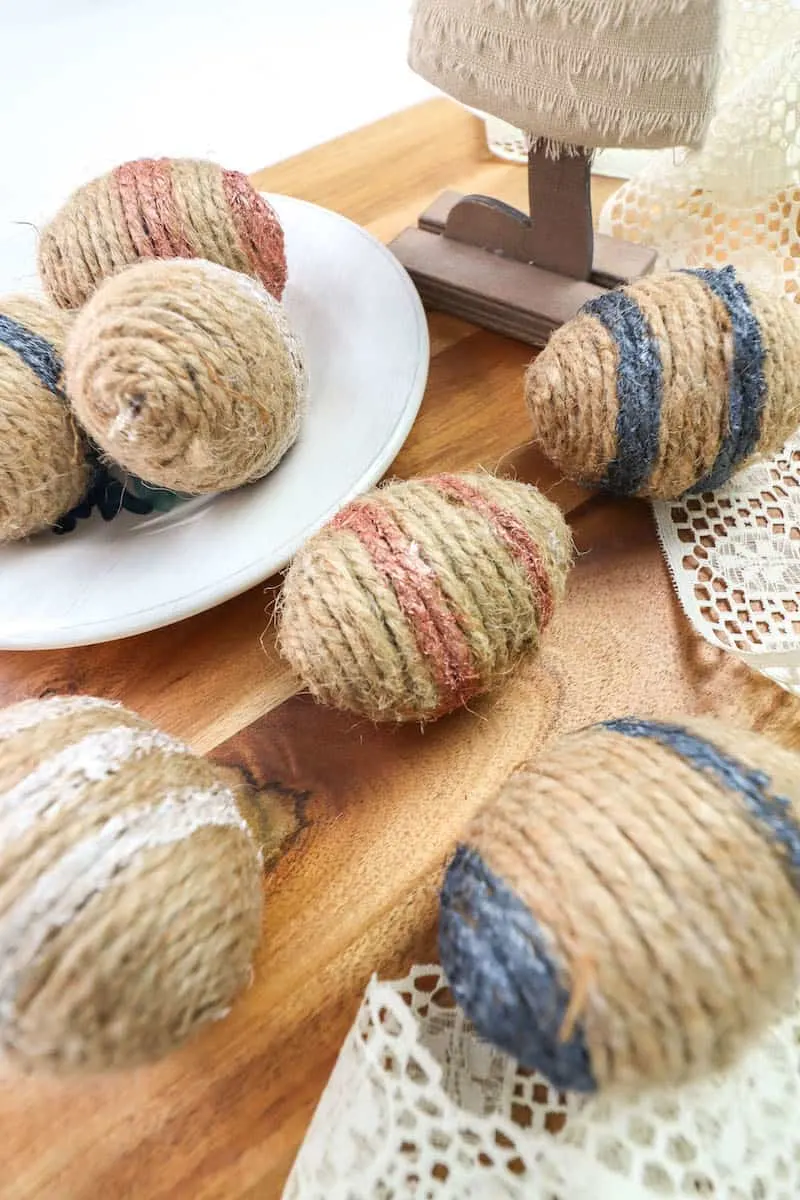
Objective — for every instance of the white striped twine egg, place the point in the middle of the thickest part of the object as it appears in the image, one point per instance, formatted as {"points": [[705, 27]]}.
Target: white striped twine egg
{"points": [[130, 888]]}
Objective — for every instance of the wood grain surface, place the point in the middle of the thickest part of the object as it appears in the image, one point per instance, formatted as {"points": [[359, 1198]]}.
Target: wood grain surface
{"points": [[372, 814]]}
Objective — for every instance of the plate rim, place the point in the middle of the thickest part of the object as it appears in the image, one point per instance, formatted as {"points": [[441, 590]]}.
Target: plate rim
{"points": [[163, 614]]}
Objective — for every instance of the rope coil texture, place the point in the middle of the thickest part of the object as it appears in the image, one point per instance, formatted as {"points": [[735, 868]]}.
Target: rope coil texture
{"points": [[626, 912], [43, 464], [160, 208], [669, 385], [187, 375], [424, 594], [130, 888]]}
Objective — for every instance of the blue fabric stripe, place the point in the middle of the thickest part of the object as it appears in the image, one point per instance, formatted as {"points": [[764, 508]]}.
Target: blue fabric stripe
{"points": [[497, 960], [639, 386], [773, 813], [35, 351], [747, 384]]}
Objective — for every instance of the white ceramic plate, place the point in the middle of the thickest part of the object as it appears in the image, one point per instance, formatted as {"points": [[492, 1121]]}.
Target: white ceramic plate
{"points": [[366, 342]]}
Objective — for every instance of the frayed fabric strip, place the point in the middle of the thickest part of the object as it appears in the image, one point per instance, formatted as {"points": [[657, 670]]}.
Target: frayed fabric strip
{"points": [[603, 14], [633, 83], [562, 116], [536, 48]]}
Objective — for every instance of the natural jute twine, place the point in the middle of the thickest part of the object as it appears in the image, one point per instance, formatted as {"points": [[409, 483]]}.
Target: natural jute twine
{"points": [[187, 375], [669, 385], [160, 208], [43, 467], [422, 595], [130, 888], [626, 911]]}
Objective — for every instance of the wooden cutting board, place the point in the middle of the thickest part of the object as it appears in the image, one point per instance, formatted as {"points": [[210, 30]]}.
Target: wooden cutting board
{"points": [[372, 814]]}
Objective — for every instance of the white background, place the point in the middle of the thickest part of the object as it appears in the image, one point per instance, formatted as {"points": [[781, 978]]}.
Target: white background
{"points": [[86, 84]]}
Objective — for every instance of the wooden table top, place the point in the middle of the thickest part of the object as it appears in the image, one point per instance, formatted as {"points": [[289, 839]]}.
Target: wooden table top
{"points": [[373, 813]]}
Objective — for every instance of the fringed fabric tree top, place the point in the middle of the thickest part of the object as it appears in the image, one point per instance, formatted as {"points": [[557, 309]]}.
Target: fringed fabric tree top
{"points": [[634, 73]]}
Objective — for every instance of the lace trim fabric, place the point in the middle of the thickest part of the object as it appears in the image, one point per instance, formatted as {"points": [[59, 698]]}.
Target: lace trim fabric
{"points": [[737, 199], [418, 1107], [734, 556]]}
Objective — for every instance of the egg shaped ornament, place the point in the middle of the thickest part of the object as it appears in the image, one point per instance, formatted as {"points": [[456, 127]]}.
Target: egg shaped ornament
{"points": [[626, 912], [44, 471], [669, 385], [160, 208], [423, 594], [130, 888], [187, 375]]}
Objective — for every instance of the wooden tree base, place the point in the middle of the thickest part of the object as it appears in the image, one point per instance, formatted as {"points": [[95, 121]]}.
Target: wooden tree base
{"points": [[467, 258]]}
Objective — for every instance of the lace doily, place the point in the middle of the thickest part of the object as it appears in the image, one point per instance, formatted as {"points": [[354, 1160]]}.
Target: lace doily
{"points": [[735, 559], [738, 199], [418, 1107]]}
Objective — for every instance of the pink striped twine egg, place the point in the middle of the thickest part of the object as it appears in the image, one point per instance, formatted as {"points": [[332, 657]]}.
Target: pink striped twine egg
{"points": [[160, 208], [424, 594]]}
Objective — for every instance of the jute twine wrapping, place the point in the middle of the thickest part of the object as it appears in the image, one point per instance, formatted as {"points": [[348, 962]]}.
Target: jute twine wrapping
{"points": [[421, 595], [187, 375], [626, 911], [130, 888], [43, 468], [160, 208], [669, 385]]}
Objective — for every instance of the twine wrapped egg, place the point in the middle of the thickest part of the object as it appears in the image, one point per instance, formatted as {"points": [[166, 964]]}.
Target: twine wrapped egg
{"points": [[43, 465], [626, 911], [160, 208], [422, 595], [669, 385], [130, 888], [187, 375]]}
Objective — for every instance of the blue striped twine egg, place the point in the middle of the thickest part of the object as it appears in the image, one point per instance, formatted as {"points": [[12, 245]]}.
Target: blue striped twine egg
{"points": [[626, 912], [669, 385]]}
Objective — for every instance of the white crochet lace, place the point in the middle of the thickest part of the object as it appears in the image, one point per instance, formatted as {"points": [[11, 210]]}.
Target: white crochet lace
{"points": [[738, 199], [735, 559], [418, 1108]]}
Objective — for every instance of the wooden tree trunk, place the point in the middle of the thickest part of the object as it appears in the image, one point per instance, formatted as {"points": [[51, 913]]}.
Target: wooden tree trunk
{"points": [[561, 238], [520, 274]]}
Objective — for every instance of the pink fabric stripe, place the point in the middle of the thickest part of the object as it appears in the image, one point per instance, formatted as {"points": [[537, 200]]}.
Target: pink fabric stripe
{"points": [[154, 221], [438, 635], [259, 231], [511, 532]]}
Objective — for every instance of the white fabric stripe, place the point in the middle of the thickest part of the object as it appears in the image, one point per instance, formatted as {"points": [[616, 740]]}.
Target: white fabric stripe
{"points": [[33, 712], [89, 866], [59, 780], [601, 13]]}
